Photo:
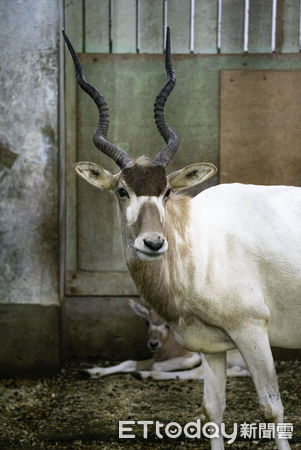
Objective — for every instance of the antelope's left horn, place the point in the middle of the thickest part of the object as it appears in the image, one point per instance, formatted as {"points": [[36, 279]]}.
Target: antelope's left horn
{"points": [[169, 136]]}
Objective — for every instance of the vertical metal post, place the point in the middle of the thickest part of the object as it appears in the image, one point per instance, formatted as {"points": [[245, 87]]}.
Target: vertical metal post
{"points": [[219, 25], [165, 7], [138, 25], [274, 20], [192, 14], [110, 25], [300, 26], [62, 154], [246, 26], [84, 25]]}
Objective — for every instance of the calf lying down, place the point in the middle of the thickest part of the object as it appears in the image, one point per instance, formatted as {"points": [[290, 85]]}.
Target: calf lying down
{"points": [[170, 360]]}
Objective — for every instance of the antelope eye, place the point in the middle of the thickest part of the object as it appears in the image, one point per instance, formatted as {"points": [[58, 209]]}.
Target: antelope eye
{"points": [[167, 326], [123, 193], [167, 193], [147, 323]]}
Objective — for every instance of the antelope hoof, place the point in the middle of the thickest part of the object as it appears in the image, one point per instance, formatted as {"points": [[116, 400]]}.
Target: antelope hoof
{"points": [[91, 373]]}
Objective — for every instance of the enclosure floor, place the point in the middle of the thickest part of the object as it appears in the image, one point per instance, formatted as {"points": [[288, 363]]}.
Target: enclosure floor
{"points": [[71, 412]]}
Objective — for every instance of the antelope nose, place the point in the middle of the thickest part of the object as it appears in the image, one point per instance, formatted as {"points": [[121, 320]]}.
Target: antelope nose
{"points": [[153, 344], [154, 245]]}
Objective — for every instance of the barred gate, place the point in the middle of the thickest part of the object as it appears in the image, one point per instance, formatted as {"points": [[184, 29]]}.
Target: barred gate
{"points": [[199, 26]]}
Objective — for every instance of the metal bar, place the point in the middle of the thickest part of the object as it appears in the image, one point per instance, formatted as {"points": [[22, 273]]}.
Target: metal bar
{"points": [[84, 25], [138, 25], [246, 26], [219, 25], [274, 19], [165, 8], [192, 17], [110, 25], [300, 26]]}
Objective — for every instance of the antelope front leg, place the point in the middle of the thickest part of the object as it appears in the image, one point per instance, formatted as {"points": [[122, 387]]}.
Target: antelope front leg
{"points": [[253, 343], [214, 403]]}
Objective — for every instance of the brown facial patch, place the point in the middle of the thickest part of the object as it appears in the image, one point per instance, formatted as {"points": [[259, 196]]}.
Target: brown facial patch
{"points": [[150, 180]]}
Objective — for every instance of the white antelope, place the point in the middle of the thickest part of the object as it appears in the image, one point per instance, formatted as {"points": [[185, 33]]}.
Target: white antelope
{"points": [[223, 268], [169, 359]]}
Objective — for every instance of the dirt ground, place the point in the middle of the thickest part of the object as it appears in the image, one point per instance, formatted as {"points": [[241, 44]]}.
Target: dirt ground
{"points": [[72, 412]]}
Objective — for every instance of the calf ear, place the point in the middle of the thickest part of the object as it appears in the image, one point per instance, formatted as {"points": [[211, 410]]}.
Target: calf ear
{"points": [[139, 309], [191, 176], [96, 175]]}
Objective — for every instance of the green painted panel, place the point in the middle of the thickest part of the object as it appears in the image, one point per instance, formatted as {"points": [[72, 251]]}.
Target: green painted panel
{"points": [[97, 26], [124, 26], [151, 35], [74, 23], [233, 26], [71, 158], [130, 84], [99, 240], [291, 17], [260, 26], [205, 27], [178, 18]]}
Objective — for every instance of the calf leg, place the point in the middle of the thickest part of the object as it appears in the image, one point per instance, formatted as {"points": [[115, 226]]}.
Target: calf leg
{"points": [[254, 346], [236, 366], [214, 403], [181, 362], [124, 367], [193, 374]]}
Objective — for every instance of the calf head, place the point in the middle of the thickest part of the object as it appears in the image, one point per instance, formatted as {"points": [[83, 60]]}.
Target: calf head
{"points": [[158, 329]]}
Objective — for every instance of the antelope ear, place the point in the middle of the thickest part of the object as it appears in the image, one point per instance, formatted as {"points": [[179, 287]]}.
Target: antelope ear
{"points": [[139, 309], [96, 175], [191, 176]]}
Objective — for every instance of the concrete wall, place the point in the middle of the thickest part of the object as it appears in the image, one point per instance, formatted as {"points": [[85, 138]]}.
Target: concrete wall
{"points": [[29, 185]]}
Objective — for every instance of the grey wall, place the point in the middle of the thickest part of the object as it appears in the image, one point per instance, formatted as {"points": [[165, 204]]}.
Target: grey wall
{"points": [[29, 175]]}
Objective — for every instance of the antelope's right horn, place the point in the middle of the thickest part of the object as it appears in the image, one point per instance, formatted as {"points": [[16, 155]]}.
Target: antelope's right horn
{"points": [[120, 157]]}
